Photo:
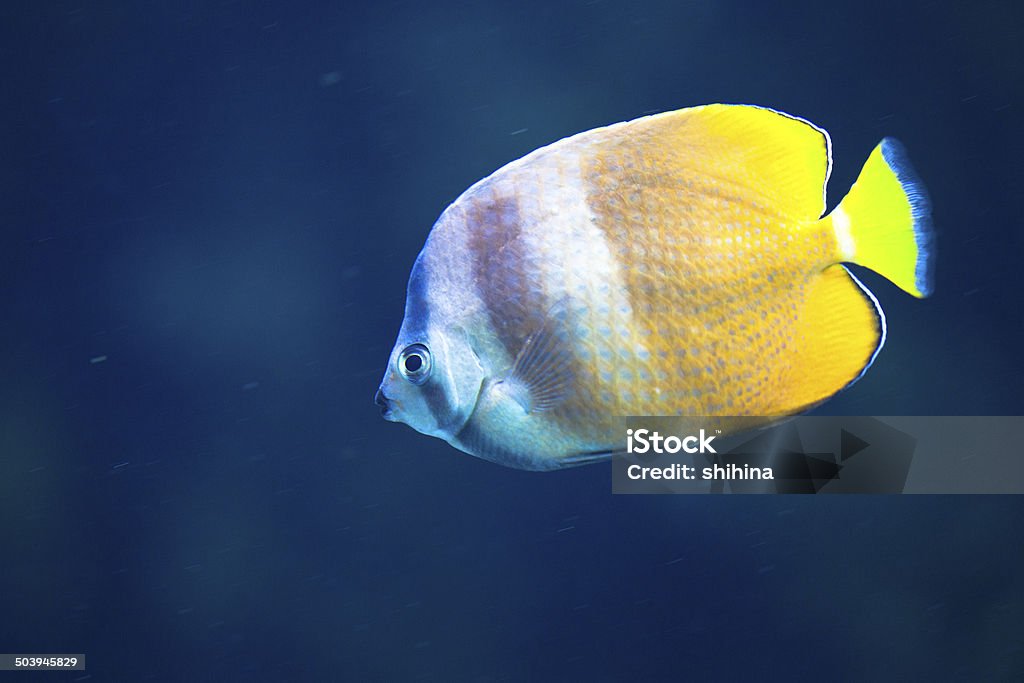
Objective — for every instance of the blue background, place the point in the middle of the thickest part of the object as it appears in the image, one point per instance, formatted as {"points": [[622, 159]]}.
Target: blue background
{"points": [[224, 199]]}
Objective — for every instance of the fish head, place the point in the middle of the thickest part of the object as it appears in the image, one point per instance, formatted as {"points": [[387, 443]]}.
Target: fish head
{"points": [[434, 376]]}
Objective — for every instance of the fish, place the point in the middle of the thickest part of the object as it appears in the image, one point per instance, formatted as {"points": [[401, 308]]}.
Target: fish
{"points": [[679, 264]]}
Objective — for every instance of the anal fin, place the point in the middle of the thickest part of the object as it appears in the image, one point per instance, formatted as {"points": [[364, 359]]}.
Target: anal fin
{"points": [[839, 333]]}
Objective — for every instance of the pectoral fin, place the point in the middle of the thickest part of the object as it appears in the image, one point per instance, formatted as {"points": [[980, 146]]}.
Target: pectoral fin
{"points": [[541, 376]]}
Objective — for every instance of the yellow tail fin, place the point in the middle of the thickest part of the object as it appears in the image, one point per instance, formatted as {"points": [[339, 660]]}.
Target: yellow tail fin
{"points": [[884, 223]]}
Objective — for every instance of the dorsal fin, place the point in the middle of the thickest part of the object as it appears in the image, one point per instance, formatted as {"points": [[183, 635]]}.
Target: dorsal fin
{"points": [[784, 159]]}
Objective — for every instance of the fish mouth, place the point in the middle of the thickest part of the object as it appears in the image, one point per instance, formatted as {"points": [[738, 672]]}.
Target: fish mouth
{"points": [[385, 405]]}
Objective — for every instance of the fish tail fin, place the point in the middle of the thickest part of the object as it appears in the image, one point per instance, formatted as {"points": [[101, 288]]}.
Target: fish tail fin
{"points": [[884, 223]]}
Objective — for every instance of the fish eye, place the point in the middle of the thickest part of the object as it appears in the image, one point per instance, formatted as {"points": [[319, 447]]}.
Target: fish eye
{"points": [[414, 363]]}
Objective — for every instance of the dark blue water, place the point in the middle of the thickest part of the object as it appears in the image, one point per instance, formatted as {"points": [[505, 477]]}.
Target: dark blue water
{"points": [[209, 211]]}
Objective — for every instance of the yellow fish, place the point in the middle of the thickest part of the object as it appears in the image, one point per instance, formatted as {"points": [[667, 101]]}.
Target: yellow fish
{"points": [[677, 264]]}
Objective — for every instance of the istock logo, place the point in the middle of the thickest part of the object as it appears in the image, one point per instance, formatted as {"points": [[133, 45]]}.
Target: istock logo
{"points": [[647, 441]]}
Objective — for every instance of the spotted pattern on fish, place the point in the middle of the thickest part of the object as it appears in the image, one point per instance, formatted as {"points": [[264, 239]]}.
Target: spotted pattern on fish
{"points": [[678, 264]]}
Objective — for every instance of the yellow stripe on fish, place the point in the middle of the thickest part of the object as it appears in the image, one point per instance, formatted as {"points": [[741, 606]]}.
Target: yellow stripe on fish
{"points": [[677, 264]]}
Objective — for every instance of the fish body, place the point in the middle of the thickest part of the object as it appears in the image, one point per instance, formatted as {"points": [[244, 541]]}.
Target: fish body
{"points": [[678, 264]]}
